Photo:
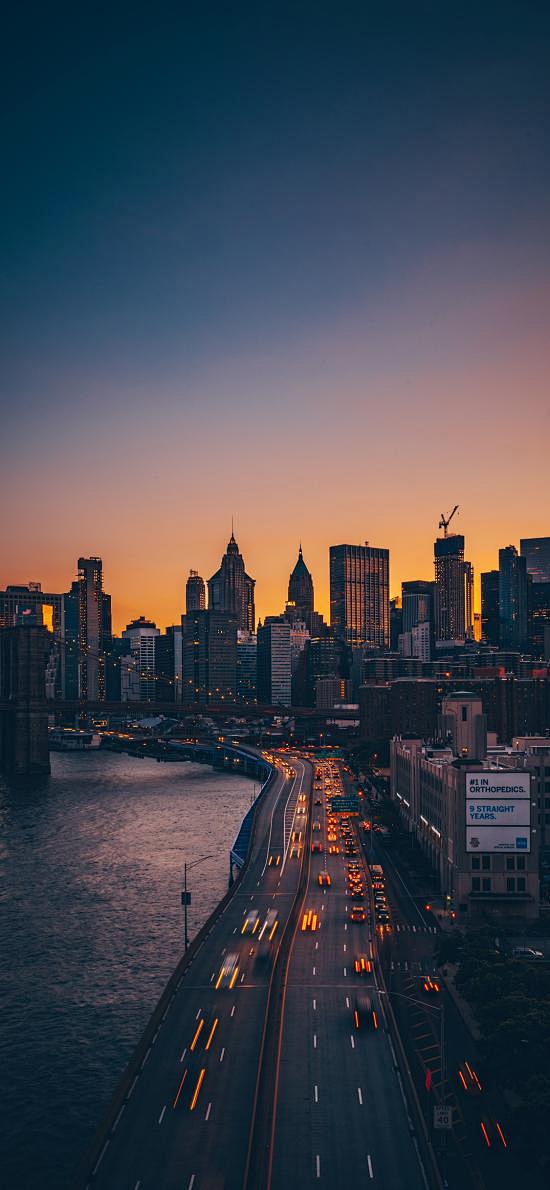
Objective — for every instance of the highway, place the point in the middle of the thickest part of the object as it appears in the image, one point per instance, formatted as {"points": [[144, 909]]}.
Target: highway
{"points": [[341, 1115], [185, 1121]]}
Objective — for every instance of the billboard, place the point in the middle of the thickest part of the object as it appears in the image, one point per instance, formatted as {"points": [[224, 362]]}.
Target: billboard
{"points": [[498, 811]]}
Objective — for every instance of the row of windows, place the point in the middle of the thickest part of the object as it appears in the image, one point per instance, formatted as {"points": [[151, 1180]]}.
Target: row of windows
{"points": [[484, 884], [514, 863]]}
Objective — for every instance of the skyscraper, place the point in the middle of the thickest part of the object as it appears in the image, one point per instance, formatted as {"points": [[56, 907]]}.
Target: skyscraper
{"points": [[231, 589], [300, 589], [451, 579], [274, 662], [513, 598], [195, 592], [209, 657], [417, 599], [141, 635], [490, 619], [359, 595], [536, 551], [93, 626]]}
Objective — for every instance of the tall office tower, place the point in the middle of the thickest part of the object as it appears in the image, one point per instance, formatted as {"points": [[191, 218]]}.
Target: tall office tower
{"points": [[209, 647], [274, 662], [300, 589], [417, 598], [231, 589], [539, 619], [396, 621], [490, 618], [92, 622], [536, 551], [512, 595], [141, 635], [451, 579], [247, 666], [359, 595], [195, 592], [469, 600]]}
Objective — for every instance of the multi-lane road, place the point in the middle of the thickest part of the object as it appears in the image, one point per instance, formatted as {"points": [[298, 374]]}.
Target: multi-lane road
{"points": [[260, 1079]]}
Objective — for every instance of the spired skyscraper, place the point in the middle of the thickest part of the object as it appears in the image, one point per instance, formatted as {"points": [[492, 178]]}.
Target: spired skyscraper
{"points": [[300, 589], [231, 589]]}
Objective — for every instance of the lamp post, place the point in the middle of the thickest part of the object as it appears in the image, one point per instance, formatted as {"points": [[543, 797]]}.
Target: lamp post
{"points": [[186, 896]]}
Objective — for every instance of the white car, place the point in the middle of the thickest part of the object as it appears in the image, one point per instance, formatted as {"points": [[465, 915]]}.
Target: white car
{"points": [[526, 952]]}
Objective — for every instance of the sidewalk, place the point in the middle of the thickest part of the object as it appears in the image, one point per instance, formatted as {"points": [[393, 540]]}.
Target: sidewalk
{"points": [[448, 972]]}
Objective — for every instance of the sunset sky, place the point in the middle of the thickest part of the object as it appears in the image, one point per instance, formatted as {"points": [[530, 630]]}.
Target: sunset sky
{"points": [[286, 262]]}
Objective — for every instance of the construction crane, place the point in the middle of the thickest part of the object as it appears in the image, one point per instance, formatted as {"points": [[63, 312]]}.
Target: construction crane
{"points": [[445, 521]]}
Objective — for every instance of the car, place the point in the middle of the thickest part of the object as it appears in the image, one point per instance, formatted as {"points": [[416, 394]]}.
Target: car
{"points": [[316, 847], [468, 1079], [362, 965], [527, 952], [310, 921], [296, 836], [296, 851], [229, 970], [251, 922], [364, 1016], [334, 849], [318, 801], [357, 913], [382, 917], [316, 825], [269, 926], [430, 985], [324, 878], [274, 860]]}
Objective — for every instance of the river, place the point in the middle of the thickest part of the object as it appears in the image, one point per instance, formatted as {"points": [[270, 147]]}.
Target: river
{"points": [[91, 926]]}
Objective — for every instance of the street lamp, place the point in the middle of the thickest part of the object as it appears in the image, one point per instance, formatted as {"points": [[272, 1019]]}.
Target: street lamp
{"points": [[186, 896]]}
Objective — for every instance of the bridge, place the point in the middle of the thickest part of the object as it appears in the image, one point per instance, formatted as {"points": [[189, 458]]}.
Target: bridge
{"points": [[252, 1073], [24, 709]]}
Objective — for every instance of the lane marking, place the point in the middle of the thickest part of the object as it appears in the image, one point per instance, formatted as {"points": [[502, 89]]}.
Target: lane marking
{"points": [[183, 1055], [344, 948], [191, 1182], [369, 1163], [347, 1001], [161, 1117], [317, 946], [200, 1010], [352, 1039], [233, 1010], [100, 1158], [221, 1055], [235, 930], [345, 970], [318, 1165], [314, 970], [208, 1111], [118, 1117], [315, 1041], [360, 1096], [314, 1005], [316, 1093], [137, 1185], [132, 1088]]}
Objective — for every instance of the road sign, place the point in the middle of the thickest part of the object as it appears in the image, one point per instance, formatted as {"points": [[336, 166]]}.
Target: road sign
{"points": [[443, 1116], [186, 898]]}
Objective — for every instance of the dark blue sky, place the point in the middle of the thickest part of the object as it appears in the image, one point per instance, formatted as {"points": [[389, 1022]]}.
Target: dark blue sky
{"points": [[206, 206]]}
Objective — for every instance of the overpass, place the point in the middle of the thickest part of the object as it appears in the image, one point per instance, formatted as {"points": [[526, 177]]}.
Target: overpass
{"points": [[251, 1074], [175, 710]]}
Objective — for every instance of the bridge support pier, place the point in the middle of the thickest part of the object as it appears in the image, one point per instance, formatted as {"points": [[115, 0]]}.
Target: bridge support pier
{"points": [[24, 715]]}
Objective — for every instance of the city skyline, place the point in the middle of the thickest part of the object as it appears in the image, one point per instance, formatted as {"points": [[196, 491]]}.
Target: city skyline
{"points": [[167, 607]]}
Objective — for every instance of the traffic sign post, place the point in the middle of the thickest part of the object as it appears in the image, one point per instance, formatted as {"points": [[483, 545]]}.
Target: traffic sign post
{"points": [[443, 1117]]}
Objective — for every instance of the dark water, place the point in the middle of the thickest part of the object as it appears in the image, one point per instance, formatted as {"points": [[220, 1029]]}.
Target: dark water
{"points": [[90, 929]]}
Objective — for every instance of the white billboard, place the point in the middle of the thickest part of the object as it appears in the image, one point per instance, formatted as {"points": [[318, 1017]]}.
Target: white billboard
{"points": [[498, 811]]}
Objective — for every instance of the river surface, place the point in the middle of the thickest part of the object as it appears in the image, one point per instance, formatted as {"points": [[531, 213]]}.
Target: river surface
{"points": [[91, 927]]}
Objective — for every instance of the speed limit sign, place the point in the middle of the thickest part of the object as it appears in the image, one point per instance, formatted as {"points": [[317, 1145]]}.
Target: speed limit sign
{"points": [[443, 1116]]}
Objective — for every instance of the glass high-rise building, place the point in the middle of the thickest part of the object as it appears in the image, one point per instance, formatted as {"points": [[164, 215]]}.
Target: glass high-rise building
{"points": [[94, 629], [536, 551], [453, 589], [360, 595], [195, 592], [209, 651], [513, 598], [490, 618]]}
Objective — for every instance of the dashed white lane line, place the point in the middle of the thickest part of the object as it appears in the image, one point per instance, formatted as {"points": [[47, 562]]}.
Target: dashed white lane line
{"points": [[183, 1054], [232, 1013], [345, 970], [235, 930], [344, 948], [317, 946], [352, 1039], [118, 1117], [347, 1001], [212, 977], [199, 1012], [360, 1096], [161, 1117], [191, 1182], [345, 925], [314, 1005], [222, 1054], [137, 1185], [369, 1163], [315, 1041], [318, 1166], [208, 1110], [316, 1093], [314, 970], [132, 1088]]}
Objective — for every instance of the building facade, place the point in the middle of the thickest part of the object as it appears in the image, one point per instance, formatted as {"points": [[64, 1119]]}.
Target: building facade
{"points": [[195, 592], [536, 551], [141, 635], [274, 662], [513, 598], [231, 590], [490, 615], [359, 595], [209, 648], [450, 588], [94, 629]]}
